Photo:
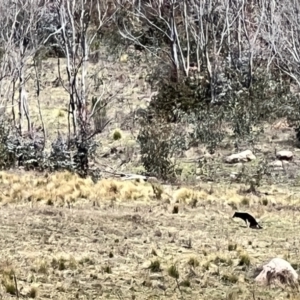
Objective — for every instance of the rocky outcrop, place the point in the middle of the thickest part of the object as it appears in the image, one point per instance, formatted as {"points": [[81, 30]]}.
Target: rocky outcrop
{"points": [[277, 270], [285, 155]]}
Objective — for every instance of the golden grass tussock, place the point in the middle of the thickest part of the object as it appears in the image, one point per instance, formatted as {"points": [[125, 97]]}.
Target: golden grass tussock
{"points": [[234, 196], [111, 189], [186, 196], [64, 187]]}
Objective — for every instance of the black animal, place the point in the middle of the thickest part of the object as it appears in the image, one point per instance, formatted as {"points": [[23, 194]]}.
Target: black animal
{"points": [[247, 218]]}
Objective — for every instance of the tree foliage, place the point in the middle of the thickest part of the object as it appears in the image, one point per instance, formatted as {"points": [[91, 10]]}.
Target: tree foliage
{"points": [[222, 66]]}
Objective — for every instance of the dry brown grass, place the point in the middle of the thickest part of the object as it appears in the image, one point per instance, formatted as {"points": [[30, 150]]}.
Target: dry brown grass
{"points": [[64, 188], [70, 238]]}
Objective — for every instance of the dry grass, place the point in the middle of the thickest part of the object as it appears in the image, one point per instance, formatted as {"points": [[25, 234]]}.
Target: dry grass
{"points": [[70, 238], [65, 189]]}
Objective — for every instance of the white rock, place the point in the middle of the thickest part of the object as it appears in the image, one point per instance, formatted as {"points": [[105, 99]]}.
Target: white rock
{"points": [[244, 156], [285, 155], [277, 164], [275, 269], [233, 175]]}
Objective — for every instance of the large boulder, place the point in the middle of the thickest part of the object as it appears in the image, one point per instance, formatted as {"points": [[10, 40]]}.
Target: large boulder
{"points": [[285, 155], [277, 270], [277, 165], [244, 156]]}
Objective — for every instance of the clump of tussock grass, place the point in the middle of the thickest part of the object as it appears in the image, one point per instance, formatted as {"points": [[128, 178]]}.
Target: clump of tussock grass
{"points": [[187, 196], [117, 135], [220, 259], [174, 273], [265, 201], [63, 263], [9, 285], [107, 269], [193, 203], [8, 178], [72, 263], [155, 266], [245, 201], [175, 209], [244, 259], [94, 276], [63, 188], [8, 281], [232, 246], [15, 193], [153, 252], [206, 265], [49, 202], [193, 262], [230, 278], [227, 261], [125, 191], [33, 292], [185, 283], [43, 267], [158, 190]]}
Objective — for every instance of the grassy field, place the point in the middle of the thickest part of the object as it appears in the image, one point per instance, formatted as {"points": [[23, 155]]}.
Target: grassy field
{"points": [[65, 237]]}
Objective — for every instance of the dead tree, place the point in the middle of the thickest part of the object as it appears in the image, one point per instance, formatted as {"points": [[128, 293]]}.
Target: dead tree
{"points": [[19, 24], [75, 36]]}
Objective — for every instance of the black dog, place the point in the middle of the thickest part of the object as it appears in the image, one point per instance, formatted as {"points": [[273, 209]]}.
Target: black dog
{"points": [[247, 217]]}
